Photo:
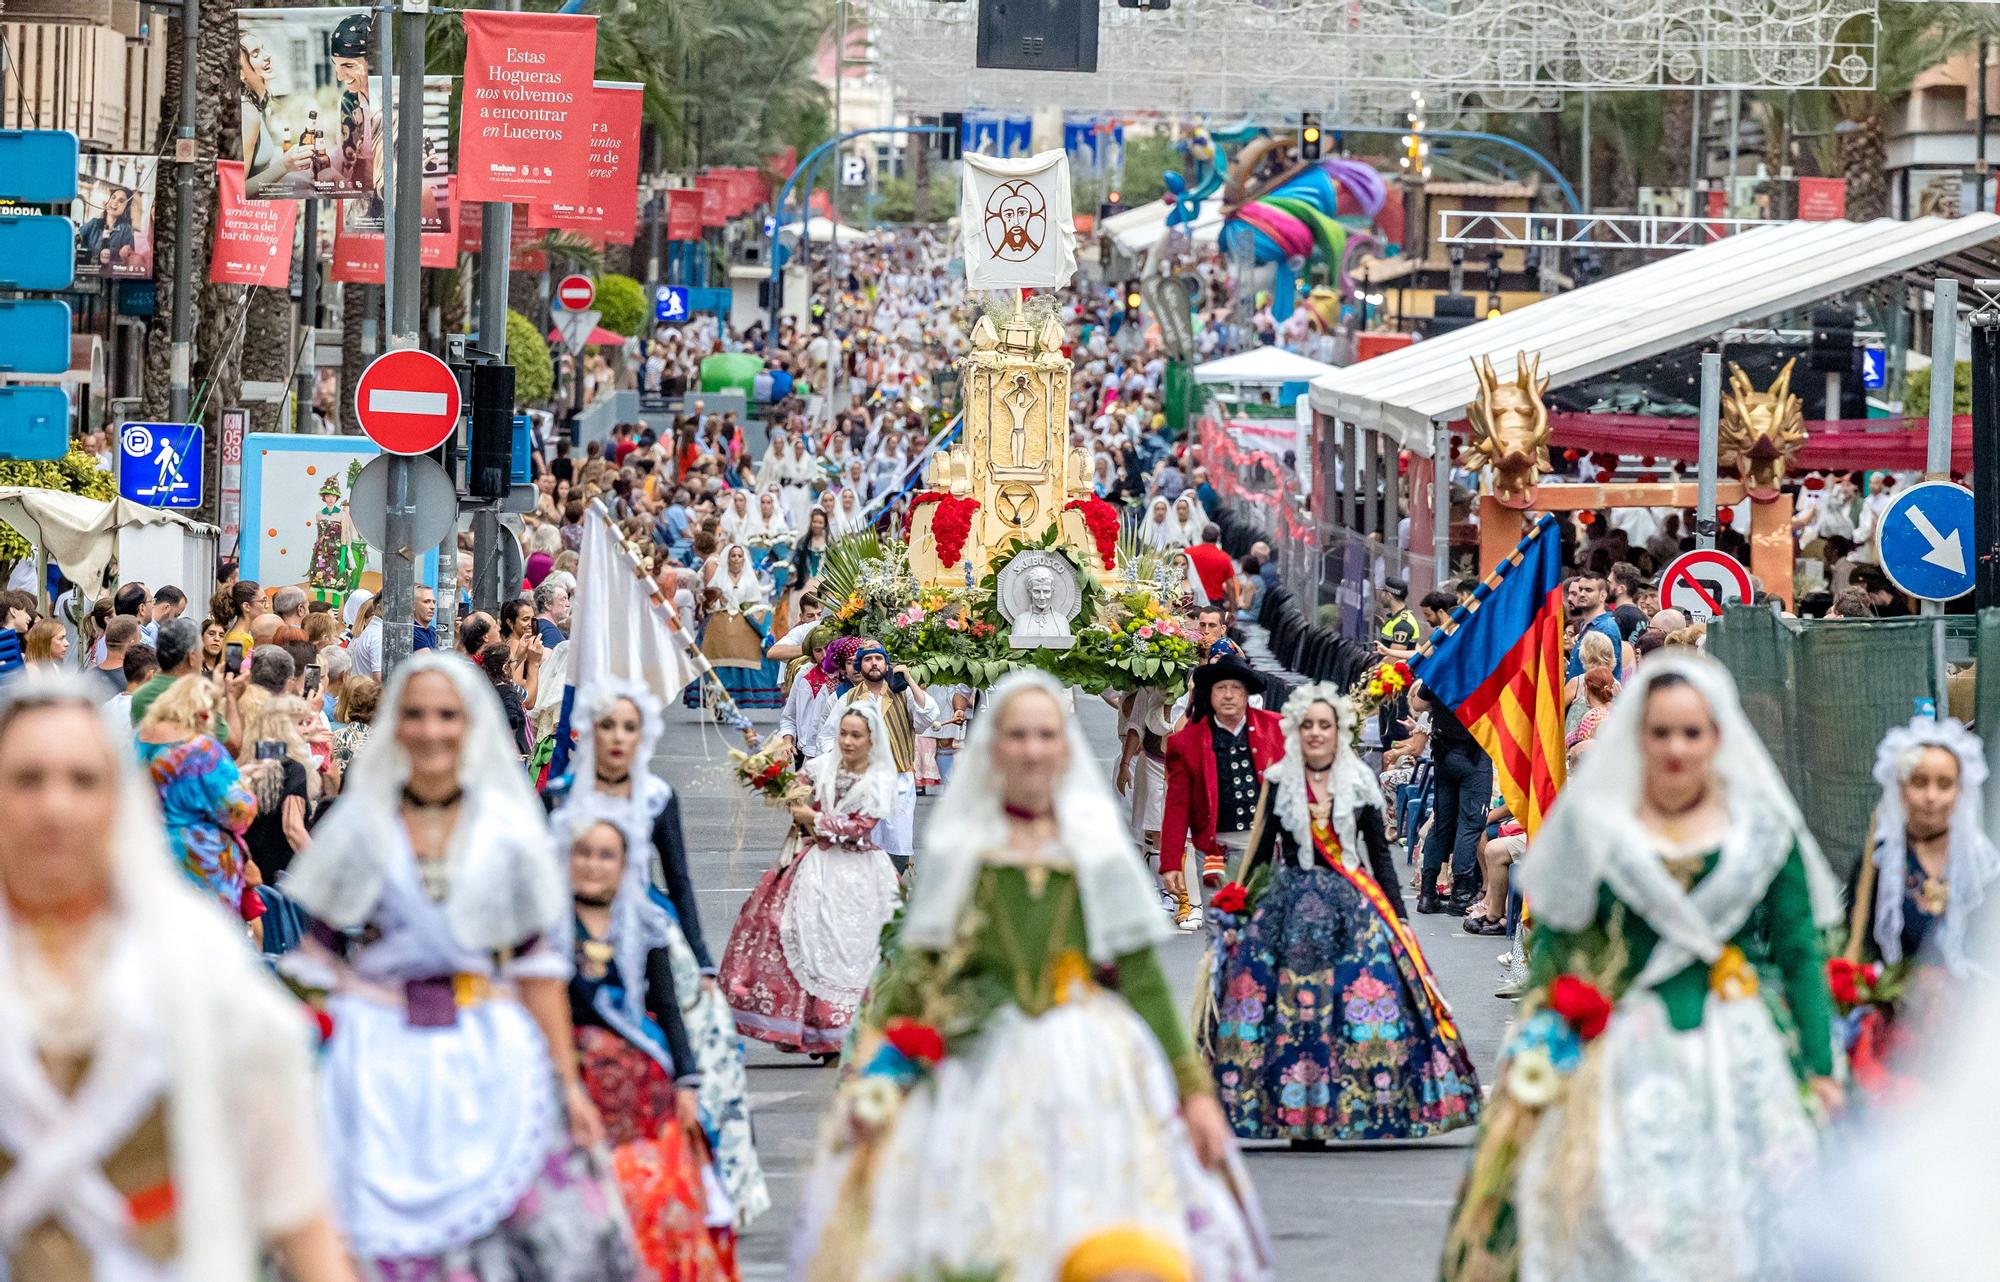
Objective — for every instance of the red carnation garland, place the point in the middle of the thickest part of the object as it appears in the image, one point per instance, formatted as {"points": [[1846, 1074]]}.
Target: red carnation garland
{"points": [[1101, 519], [952, 525]]}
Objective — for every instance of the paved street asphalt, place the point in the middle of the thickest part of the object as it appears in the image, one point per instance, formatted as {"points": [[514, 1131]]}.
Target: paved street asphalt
{"points": [[1374, 1211]]}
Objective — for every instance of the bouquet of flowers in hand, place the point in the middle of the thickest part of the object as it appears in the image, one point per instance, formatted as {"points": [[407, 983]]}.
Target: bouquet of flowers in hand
{"points": [[765, 775]]}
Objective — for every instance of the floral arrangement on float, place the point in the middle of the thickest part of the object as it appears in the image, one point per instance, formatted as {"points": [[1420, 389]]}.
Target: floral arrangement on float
{"points": [[1867, 995], [1129, 635]]}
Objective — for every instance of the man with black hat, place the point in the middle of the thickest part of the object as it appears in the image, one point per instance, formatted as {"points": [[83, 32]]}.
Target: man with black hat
{"points": [[1215, 766]]}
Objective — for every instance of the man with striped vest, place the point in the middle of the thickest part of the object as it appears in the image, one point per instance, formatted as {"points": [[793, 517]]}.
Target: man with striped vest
{"points": [[907, 711]]}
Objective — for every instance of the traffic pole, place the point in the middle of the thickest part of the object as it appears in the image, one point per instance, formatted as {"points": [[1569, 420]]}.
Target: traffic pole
{"points": [[1986, 448], [1440, 501], [1711, 446], [1937, 452], [308, 375], [405, 210], [496, 231], [180, 360]]}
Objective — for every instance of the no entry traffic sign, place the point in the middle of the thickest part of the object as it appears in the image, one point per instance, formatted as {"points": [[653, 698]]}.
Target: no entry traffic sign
{"points": [[1700, 583], [407, 401], [575, 292]]}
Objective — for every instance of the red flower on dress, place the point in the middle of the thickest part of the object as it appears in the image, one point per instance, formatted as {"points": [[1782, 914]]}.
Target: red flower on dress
{"points": [[1232, 898], [919, 1043], [1847, 979], [1101, 519], [1579, 1002], [322, 1023]]}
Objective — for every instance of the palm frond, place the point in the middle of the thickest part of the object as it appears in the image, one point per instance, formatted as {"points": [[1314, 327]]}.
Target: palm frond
{"points": [[840, 572]]}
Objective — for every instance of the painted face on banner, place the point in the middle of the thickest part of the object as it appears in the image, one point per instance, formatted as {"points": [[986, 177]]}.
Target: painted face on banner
{"points": [[1016, 221]]}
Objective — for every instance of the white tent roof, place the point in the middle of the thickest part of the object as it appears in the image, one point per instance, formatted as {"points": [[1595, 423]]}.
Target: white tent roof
{"points": [[820, 229], [80, 533], [1666, 304], [1262, 365], [1137, 230]]}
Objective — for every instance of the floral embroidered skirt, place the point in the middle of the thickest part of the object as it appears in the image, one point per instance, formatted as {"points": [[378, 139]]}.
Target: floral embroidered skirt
{"points": [[1323, 1028], [569, 1227], [774, 939], [657, 1165]]}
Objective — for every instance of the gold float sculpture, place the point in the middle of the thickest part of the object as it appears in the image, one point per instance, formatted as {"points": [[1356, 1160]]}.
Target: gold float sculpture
{"points": [[1761, 432], [1510, 429]]}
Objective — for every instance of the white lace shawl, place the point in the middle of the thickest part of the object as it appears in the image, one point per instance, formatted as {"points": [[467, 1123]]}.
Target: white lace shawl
{"points": [[1593, 836], [743, 592], [874, 793], [1972, 862], [506, 884], [1350, 783], [1121, 911]]}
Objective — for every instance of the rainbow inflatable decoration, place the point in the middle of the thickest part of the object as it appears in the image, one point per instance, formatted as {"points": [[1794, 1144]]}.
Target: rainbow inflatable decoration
{"points": [[1328, 208]]}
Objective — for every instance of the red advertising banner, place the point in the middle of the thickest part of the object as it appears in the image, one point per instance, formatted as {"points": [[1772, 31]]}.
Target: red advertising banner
{"points": [[525, 260], [714, 199], [440, 249], [1822, 200], [683, 214], [614, 158], [782, 163], [746, 189], [253, 239], [470, 219], [358, 257], [524, 126]]}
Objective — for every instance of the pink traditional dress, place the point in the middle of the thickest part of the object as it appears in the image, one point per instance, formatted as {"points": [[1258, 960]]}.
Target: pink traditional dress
{"points": [[807, 940]]}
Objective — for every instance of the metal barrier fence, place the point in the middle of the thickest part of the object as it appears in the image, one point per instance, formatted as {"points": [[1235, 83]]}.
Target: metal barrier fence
{"points": [[1823, 693]]}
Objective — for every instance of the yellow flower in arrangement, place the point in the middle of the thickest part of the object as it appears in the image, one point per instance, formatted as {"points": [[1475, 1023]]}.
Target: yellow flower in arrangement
{"points": [[1732, 977]]}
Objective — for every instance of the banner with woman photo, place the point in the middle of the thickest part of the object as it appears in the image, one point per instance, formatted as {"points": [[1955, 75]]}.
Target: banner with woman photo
{"points": [[311, 116], [113, 213]]}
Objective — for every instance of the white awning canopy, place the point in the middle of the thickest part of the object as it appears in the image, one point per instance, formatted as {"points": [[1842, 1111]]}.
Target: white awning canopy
{"points": [[1656, 308], [1261, 366], [1137, 230]]}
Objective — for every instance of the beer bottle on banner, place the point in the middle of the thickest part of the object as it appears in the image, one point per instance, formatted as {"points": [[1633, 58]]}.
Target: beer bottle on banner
{"points": [[315, 139]]}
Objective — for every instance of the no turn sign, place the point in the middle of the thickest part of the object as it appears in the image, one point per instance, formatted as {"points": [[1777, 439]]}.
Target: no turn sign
{"points": [[407, 401], [575, 293], [1700, 583]]}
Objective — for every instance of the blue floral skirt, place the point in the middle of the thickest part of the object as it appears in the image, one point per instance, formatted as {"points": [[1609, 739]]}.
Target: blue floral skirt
{"points": [[1326, 1024]]}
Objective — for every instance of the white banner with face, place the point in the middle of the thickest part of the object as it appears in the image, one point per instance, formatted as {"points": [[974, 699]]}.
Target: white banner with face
{"points": [[1016, 221]]}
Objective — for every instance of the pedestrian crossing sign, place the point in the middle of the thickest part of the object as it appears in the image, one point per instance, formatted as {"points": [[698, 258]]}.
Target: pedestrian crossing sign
{"points": [[160, 464]]}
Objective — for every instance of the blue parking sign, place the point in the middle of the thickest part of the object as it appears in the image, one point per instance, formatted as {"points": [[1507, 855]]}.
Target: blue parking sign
{"points": [[670, 304], [159, 464]]}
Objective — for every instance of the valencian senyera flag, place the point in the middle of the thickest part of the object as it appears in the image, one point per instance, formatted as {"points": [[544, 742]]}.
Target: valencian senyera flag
{"points": [[1499, 668]]}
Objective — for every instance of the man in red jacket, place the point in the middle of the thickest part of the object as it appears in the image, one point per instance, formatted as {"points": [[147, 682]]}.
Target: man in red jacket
{"points": [[1215, 769], [1215, 568]]}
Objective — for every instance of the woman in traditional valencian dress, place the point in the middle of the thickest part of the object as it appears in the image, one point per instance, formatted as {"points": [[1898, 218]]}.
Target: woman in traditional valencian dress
{"points": [[618, 727], [632, 1047], [1323, 1020], [1029, 1081], [1917, 893], [462, 1139], [807, 940], [736, 632], [1651, 1118]]}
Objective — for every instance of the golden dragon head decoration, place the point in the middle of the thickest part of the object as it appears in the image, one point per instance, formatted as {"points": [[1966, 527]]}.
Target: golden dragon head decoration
{"points": [[1510, 429], [1761, 431]]}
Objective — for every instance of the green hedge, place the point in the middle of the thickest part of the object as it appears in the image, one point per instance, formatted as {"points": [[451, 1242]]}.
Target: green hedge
{"points": [[528, 352]]}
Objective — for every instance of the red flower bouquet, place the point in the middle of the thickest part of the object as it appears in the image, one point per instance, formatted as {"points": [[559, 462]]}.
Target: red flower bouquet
{"points": [[1579, 1002], [952, 524], [919, 1043], [1232, 898], [764, 775], [1853, 984], [1101, 519]]}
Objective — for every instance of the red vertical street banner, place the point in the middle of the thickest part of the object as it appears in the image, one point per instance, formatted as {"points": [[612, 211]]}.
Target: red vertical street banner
{"points": [[440, 249], [524, 124], [253, 239], [525, 260], [1822, 200], [714, 197], [683, 214], [783, 163], [358, 257], [614, 158], [744, 187], [470, 220]]}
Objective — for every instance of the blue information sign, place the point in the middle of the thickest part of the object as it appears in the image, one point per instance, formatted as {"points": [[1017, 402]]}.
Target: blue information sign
{"points": [[524, 449], [1874, 368], [34, 423], [1925, 540], [159, 464], [38, 166], [670, 304], [34, 336], [37, 251]]}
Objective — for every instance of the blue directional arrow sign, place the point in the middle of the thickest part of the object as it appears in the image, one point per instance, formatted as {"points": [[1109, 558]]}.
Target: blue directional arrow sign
{"points": [[159, 464], [1925, 540], [671, 304]]}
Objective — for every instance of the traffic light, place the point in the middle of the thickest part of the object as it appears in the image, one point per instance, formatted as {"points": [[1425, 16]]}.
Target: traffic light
{"points": [[1309, 135], [489, 443], [948, 141], [1492, 283], [1416, 151], [1132, 301]]}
